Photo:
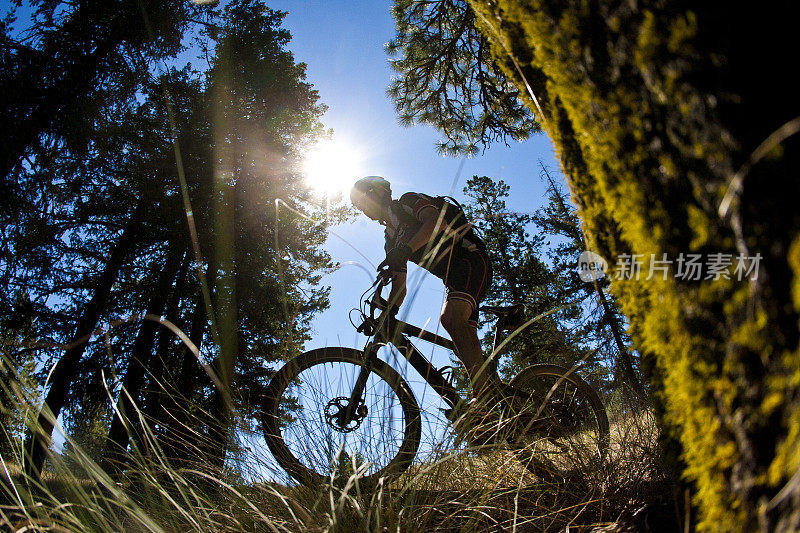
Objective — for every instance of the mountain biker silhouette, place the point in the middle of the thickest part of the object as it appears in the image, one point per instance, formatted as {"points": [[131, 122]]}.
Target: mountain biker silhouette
{"points": [[433, 233], [356, 406]]}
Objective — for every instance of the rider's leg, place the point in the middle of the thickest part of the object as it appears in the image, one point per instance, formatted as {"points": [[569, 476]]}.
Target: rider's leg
{"points": [[456, 320]]}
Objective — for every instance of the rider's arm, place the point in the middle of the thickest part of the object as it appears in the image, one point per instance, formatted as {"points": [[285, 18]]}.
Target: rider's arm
{"points": [[398, 292], [430, 218]]}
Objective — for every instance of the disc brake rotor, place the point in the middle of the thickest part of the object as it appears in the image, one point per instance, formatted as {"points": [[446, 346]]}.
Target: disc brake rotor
{"points": [[335, 409]]}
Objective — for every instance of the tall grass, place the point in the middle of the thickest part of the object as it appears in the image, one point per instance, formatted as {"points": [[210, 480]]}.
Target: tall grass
{"points": [[455, 489]]}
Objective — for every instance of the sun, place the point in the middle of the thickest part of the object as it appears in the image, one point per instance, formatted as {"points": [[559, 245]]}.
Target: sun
{"points": [[331, 167]]}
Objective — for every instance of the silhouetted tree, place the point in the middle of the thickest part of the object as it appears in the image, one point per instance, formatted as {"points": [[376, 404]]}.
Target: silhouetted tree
{"points": [[448, 78], [521, 276], [602, 324], [100, 234], [73, 59]]}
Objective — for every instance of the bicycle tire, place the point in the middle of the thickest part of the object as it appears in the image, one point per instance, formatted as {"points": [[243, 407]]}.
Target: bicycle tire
{"points": [[303, 447], [573, 434]]}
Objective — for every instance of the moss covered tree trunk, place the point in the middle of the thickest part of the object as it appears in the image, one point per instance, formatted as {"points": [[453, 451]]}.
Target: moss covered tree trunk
{"points": [[675, 125]]}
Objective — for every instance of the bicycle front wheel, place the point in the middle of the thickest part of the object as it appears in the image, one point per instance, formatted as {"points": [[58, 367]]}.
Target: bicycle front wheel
{"points": [[303, 432], [562, 431]]}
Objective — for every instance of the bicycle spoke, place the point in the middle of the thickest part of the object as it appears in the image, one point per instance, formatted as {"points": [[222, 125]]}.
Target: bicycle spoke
{"points": [[566, 430], [315, 439]]}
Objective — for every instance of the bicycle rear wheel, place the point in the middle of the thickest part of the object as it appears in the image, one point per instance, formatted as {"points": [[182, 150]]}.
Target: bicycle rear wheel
{"points": [[562, 431], [301, 428]]}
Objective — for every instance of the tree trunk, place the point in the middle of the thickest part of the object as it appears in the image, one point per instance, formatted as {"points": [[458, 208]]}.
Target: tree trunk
{"points": [[225, 287], [675, 141], [125, 415], [37, 440], [178, 407], [155, 397]]}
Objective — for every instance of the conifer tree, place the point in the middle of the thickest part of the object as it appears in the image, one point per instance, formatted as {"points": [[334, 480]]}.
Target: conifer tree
{"points": [[101, 234], [72, 60], [449, 79], [520, 275], [602, 324]]}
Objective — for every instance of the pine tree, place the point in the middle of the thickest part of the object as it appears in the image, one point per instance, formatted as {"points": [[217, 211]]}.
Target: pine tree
{"points": [[521, 276], [75, 58], [102, 235], [602, 324], [263, 112], [449, 79]]}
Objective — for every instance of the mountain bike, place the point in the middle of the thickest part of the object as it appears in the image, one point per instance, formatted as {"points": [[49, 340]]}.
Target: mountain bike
{"points": [[340, 411]]}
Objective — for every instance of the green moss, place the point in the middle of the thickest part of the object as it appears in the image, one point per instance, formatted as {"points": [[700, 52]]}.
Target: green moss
{"points": [[699, 223], [752, 334], [772, 402], [787, 458], [648, 161], [682, 30], [794, 263]]}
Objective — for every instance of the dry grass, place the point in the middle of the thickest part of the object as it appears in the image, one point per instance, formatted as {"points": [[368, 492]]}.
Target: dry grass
{"points": [[454, 489]]}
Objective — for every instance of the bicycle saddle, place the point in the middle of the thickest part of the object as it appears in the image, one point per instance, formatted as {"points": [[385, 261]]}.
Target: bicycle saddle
{"points": [[509, 316]]}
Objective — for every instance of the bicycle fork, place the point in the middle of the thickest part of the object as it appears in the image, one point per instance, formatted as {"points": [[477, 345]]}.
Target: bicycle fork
{"points": [[432, 376], [347, 415]]}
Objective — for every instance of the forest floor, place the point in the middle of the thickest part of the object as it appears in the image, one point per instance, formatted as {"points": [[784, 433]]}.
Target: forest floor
{"points": [[470, 492]]}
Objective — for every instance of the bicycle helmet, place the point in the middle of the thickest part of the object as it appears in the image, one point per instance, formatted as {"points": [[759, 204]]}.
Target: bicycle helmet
{"points": [[367, 185], [370, 183]]}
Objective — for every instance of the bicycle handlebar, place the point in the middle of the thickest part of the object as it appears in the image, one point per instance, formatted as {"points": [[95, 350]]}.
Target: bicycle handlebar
{"points": [[375, 302]]}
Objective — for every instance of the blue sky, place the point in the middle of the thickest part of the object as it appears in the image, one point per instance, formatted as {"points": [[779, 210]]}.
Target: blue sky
{"points": [[342, 43]]}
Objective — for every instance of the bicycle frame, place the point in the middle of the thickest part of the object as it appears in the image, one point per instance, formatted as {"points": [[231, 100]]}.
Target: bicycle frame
{"points": [[399, 337], [421, 364]]}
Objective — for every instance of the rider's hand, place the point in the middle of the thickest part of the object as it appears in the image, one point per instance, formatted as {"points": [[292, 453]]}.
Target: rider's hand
{"points": [[396, 258]]}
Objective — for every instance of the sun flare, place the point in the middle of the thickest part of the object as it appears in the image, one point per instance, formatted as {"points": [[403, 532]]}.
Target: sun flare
{"points": [[331, 167]]}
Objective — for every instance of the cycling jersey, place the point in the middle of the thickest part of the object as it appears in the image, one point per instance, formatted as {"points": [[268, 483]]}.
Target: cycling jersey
{"points": [[454, 253], [405, 220]]}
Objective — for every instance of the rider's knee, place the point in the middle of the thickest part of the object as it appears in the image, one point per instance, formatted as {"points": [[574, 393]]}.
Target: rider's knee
{"points": [[451, 321], [447, 320]]}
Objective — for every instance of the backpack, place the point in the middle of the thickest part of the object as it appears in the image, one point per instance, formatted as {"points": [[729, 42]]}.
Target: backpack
{"points": [[457, 220], [454, 219]]}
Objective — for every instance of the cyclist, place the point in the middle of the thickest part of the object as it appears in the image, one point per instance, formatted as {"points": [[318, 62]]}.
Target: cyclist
{"points": [[427, 231]]}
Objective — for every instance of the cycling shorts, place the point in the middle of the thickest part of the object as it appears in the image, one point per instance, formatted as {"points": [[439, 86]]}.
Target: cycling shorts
{"points": [[467, 276]]}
